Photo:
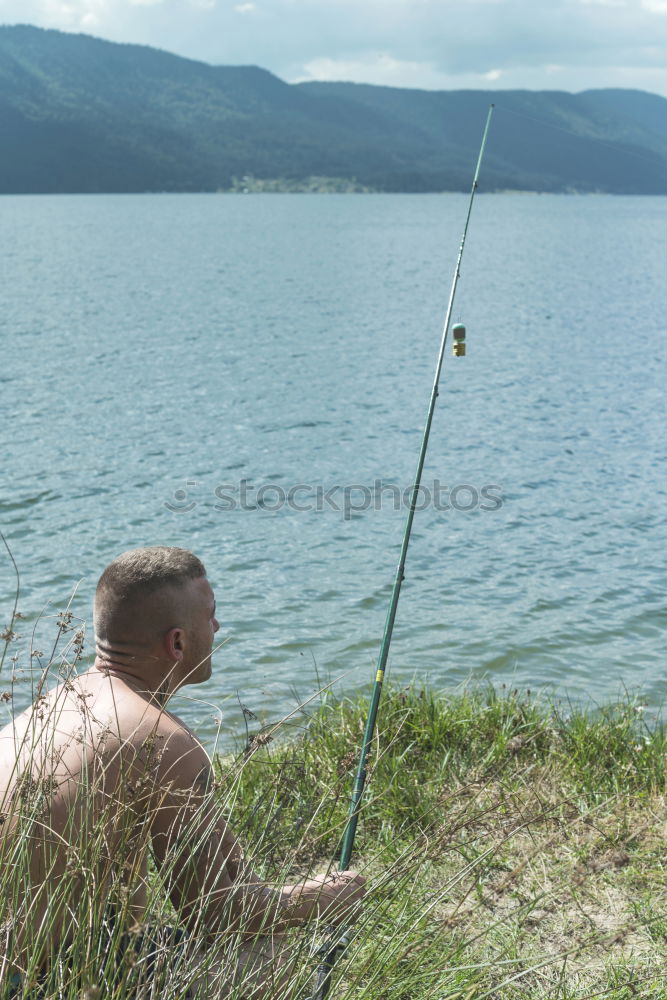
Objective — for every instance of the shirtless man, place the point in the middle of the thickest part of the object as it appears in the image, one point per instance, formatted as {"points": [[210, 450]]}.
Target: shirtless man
{"points": [[98, 773]]}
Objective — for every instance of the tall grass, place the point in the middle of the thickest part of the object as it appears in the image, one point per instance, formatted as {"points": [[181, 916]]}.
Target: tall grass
{"points": [[513, 850]]}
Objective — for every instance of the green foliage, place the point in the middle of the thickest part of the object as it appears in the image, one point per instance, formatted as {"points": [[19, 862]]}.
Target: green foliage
{"points": [[432, 745], [515, 848]]}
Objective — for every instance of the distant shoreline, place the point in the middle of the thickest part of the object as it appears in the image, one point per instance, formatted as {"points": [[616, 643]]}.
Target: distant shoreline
{"points": [[293, 190]]}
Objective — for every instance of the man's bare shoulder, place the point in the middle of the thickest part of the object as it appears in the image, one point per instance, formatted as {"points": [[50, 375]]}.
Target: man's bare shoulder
{"points": [[158, 733], [141, 723]]}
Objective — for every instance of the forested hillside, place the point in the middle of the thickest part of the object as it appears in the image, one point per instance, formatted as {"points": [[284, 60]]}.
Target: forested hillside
{"points": [[78, 114]]}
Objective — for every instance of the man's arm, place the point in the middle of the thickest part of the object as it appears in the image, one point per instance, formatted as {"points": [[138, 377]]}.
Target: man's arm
{"points": [[202, 862], [199, 858]]}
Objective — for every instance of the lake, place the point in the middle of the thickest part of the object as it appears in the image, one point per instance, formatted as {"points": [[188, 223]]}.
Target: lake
{"points": [[248, 377]]}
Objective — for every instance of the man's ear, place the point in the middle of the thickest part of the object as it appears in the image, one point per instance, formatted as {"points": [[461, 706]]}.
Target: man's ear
{"points": [[175, 643]]}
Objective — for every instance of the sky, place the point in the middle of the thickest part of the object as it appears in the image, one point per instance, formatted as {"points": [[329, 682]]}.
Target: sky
{"points": [[432, 44]]}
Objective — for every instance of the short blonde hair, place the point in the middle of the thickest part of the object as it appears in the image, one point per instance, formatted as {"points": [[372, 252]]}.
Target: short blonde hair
{"points": [[136, 575]]}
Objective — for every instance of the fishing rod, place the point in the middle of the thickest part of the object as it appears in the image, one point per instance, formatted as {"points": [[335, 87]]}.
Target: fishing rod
{"points": [[332, 948]]}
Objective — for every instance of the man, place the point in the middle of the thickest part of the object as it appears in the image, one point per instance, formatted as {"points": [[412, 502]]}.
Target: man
{"points": [[99, 773]]}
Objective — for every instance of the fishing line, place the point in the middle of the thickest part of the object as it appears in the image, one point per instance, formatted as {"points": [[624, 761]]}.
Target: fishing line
{"points": [[333, 947]]}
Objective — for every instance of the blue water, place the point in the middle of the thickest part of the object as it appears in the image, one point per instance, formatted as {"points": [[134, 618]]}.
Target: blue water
{"points": [[156, 349]]}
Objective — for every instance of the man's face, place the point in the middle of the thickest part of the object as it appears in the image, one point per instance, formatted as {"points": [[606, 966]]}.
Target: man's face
{"points": [[202, 628]]}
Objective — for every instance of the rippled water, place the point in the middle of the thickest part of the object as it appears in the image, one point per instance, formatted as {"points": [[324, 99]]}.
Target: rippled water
{"points": [[159, 348]]}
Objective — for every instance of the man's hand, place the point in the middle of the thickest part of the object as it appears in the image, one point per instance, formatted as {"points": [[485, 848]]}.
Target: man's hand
{"points": [[342, 895], [335, 898]]}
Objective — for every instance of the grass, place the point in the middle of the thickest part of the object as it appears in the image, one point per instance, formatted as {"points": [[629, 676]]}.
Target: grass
{"points": [[514, 849]]}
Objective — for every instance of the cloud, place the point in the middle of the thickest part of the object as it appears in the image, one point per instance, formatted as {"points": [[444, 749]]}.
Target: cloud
{"points": [[570, 44], [541, 44], [73, 13], [381, 68]]}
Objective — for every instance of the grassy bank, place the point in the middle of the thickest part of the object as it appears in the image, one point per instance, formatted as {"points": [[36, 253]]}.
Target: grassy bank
{"points": [[514, 850]]}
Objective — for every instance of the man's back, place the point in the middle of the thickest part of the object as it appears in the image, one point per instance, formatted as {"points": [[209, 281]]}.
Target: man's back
{"points": [[76, 792]]}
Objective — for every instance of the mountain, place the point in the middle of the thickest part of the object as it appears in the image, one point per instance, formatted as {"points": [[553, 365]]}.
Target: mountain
{"points": [[78, 114]]}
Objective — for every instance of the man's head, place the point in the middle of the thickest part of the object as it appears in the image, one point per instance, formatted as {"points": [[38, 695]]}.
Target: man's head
{"points": [[155, 605]]}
